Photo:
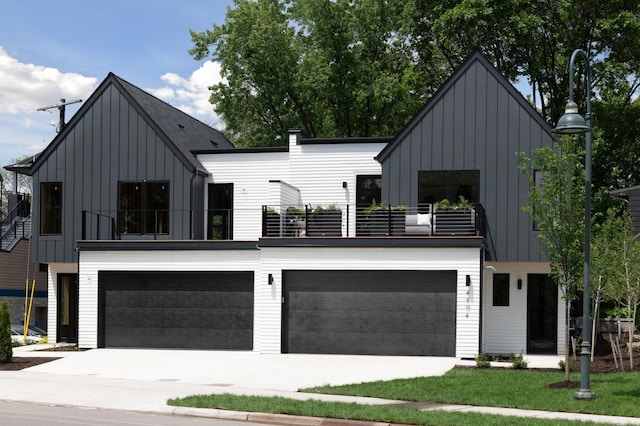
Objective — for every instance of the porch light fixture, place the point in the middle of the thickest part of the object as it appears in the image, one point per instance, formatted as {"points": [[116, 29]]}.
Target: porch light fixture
{"points": [[270, 279], [468, 280], [573, 123], [519, 283]]}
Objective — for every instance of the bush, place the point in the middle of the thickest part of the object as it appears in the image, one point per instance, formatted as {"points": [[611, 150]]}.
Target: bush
{"points": [[482, 361], [6, 344], [561, 365], [518, 362]]}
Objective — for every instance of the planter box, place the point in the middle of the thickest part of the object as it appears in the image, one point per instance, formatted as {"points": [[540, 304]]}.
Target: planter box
{"points": [[272, 224], [324, 224], [383, 222], [611, 325], [454, 222]]}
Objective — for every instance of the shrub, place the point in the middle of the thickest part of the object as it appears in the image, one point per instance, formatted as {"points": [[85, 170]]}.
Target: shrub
{"points": [[6, 344], [482, 361], [561, 365], [518, 362]]}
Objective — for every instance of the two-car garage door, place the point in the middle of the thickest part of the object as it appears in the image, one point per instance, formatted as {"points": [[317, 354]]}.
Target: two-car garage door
{"points": [[195, 310], [369, 312]]}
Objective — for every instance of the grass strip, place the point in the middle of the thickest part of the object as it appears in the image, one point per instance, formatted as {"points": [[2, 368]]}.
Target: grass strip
{"points": [[618, 394], [353, 411]]}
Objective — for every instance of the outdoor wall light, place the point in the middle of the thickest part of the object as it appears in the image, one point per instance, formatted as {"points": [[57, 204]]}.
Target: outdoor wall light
{"points": [[468, 280], [519, 283], [270, 281], [344, 185]]}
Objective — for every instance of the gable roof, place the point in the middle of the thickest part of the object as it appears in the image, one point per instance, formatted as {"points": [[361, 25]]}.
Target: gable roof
{"points": [[181, 133], [475, 56]]}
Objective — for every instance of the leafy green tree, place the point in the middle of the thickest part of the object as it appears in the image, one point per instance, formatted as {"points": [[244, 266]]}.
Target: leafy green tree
{"points": [[623, 270], [554, 206], [6, 346]]}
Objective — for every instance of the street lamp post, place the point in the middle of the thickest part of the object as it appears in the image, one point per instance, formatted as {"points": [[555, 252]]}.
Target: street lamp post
{"points": [[573, 123]]}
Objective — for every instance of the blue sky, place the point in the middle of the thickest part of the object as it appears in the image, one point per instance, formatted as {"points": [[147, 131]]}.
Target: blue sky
{"points": [[63, 49]]}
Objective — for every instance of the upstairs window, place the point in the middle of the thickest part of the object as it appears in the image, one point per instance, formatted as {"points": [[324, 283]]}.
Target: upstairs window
{"points": [[434, 186], [143, 207], [51, 208]]}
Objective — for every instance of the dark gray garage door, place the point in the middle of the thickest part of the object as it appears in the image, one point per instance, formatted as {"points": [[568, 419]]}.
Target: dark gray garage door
{"points": [[195, 310], [370, 312]]}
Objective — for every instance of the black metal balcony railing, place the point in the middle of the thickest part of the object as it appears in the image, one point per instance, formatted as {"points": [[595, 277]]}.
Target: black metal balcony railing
{"points": [[284, 222]]}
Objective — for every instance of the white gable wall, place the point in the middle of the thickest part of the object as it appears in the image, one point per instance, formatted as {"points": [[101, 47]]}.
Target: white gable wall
{"points": [[250, 174]]}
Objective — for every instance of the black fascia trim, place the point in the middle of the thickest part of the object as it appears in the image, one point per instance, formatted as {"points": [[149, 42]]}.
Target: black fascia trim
{"points": [[120, 245], [241, 150], [366, 242], [329, 141]]}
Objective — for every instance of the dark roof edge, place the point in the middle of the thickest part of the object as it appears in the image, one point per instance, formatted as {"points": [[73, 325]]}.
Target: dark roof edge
{"points": [[359, 139], [138, 245], [367, 242], [253, 150], [624, 192], [475, 55]]}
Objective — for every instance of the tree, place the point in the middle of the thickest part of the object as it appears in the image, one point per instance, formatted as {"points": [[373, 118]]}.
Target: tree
{"points": [[333, 68], [6, 345], [554, 206], [624, 270]]}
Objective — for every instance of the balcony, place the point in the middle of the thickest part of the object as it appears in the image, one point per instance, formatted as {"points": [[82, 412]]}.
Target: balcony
{"points": [[285, 222]]}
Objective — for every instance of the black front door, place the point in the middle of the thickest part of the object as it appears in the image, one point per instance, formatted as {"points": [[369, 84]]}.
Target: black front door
{"points": [[220, 211], [67, 318], [542, 314]]}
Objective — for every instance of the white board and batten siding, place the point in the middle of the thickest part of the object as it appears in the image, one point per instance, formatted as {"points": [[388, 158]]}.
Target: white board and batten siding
{"points": [[504, 328], [276, 259], [166, 260], [250, 174]]}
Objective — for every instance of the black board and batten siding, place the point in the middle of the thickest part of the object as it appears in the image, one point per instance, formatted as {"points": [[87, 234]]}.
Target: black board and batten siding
{"points": [[114, 137], [476, 121]]}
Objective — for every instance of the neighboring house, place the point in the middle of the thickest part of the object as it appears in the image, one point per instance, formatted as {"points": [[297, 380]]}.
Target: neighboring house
{"points": [[20, 278], [158, 233], [632, 196]]}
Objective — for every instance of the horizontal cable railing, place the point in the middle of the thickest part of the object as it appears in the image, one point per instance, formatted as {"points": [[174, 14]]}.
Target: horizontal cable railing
{"points": [[284, 222]]}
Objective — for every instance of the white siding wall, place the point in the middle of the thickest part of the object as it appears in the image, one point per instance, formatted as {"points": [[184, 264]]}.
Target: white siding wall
{"points": [[52, 296], [505, 327], [250, 174], [275, 260], [93, 261], [318, 170]]}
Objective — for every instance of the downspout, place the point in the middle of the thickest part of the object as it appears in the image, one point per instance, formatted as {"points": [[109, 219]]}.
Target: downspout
{"points": [[192, 180]]}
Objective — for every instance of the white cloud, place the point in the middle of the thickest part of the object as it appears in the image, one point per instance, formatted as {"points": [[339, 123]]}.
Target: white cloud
{"points": [[27, 87], [191, 94]]}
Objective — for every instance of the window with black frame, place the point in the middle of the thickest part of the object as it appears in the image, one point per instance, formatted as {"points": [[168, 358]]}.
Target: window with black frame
{"points": [[500, 289], [50, 208], [435, 186], [143, 207]]}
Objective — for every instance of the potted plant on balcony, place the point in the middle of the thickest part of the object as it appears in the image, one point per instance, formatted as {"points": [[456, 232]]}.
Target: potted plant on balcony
{"points": [[385, 220], [294, 222], [324, 221], [454, 218]]}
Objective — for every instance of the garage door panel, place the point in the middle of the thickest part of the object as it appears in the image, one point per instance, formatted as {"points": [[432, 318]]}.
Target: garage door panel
{"points": [[196, 310], [370, 312]]}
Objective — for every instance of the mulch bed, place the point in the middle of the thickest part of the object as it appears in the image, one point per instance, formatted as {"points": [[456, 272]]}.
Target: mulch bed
{"points": [[22, 362]]}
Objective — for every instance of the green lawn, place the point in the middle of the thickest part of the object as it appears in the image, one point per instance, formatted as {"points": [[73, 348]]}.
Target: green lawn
{"points": [[618, 394]]}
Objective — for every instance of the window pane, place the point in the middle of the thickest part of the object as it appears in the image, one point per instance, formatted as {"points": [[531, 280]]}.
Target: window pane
{"points": [[434, 186], [500, 289], [130, 208], [51, 208], [368, 190], [157, 207]]}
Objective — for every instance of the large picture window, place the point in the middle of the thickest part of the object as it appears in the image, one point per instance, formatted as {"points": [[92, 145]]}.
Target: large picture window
{"points": [[436, 186], [500, 289], [51, 208], [143, 207]]}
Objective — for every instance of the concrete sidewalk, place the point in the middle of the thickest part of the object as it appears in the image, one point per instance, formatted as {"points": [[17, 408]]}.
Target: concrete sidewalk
{"points": [[143, 380]]}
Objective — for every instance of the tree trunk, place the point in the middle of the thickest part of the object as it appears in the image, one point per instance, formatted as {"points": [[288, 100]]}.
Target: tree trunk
{"points": [[567, 375]]}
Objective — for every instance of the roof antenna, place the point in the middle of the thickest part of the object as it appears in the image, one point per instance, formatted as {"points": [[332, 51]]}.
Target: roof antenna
{"points": [[61, 107]]}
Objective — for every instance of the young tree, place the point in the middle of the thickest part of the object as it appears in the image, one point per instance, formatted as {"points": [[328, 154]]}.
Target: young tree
{"points": [[555, 208], [6, 346], [624, 272]]}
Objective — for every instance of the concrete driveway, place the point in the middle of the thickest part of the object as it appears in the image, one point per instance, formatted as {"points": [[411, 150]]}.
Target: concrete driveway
{"points": [[280, 372]]}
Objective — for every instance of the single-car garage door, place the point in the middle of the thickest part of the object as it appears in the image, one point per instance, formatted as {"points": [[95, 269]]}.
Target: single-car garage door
{"points": [[195, 310], [369, 312]]}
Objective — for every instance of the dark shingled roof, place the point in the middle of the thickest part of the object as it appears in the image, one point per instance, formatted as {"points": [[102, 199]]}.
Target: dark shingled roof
{"points": [[182, 133]]}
